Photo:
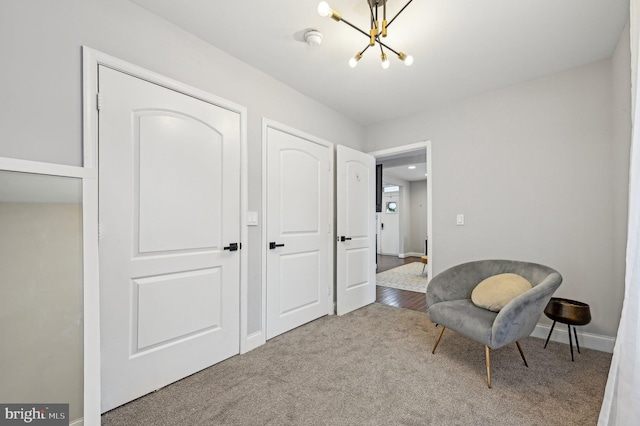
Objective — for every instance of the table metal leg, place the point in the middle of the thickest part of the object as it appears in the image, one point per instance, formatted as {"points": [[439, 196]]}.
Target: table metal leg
{"points": [[570, 341], [549, 336], [575, 333]]}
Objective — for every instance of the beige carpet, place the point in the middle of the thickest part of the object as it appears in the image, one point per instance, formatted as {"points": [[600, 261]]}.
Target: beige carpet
{"points": [[405, 277], [374, 367]]}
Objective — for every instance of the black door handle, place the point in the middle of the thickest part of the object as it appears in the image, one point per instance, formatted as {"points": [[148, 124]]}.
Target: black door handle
{"points": [[381, 225], [273, 245], [343, 238], [232, 247]]}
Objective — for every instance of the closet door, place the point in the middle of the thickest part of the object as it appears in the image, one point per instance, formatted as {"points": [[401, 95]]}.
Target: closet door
{"points": [[169, 185], [299, 213]]}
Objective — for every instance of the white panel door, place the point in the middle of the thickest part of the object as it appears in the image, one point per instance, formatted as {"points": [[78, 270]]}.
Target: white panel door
{"points": [[298, 214], [355, 229], [169, 208], [390, 224]]}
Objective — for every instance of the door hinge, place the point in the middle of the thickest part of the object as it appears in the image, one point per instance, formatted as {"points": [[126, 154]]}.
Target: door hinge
{"points": [[99, 101]]}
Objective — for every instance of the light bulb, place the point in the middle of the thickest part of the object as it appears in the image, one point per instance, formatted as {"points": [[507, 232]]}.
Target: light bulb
{"points": [[354, 61], [385, 62], [409, 61], [324, 9]]}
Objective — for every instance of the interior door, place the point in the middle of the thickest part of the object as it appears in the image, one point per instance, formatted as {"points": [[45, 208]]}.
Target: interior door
{"points": [[299, 212], [169, 186], [390, 224], [355, 229]]}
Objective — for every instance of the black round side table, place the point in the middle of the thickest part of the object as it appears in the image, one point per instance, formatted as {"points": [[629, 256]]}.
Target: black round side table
{"points": [[570, 312]]}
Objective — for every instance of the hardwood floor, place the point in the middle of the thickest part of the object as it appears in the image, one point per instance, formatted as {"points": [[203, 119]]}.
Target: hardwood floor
{"points": [[389, 262], [401, 298], [396, 297]]}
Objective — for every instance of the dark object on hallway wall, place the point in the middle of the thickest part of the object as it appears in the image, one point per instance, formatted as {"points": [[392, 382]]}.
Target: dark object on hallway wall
{"points": [[378, 188]]}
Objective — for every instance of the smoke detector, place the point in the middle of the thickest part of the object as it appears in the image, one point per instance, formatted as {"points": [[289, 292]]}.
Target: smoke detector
{"points": [[313, 37]]}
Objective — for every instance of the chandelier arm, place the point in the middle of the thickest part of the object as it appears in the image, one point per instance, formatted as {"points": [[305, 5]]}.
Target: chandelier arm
{"points": [[386, 46], [367, 35], [403, 8], [355, 28]]}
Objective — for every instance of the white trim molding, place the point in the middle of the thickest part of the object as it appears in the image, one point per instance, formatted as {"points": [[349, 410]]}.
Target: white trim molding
{"points": [[254, 340], [560, 334], [37, 167], [410, 254]]}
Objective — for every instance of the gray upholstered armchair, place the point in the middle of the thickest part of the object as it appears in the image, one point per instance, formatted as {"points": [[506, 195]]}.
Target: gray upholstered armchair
{"points": [[450, 305]]}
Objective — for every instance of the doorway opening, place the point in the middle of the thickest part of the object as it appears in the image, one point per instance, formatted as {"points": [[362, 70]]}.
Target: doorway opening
{"points": [[404, 226]]}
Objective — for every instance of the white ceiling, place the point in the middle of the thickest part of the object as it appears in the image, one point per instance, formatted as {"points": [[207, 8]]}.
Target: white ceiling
{"points": [[397, 165], [405, 173], [461, 47]]}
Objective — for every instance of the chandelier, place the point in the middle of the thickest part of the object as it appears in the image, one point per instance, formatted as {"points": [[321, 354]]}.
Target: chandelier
{"points": [[375, 32]]}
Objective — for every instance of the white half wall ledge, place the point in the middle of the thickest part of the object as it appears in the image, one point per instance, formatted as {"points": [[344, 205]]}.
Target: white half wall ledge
{"points": [[597, 342]]}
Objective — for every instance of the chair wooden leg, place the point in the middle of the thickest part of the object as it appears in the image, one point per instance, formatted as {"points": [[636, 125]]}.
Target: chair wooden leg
{"points": [[433, 351], [522, 354], [487, 354]]}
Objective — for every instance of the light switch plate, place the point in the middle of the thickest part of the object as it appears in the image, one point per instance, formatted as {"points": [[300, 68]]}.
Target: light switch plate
{"points": [[252, 218], [460, 219]]}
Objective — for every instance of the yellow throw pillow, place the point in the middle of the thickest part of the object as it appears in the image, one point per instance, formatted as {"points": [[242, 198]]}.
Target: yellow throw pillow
{"points": [[498, 290]]}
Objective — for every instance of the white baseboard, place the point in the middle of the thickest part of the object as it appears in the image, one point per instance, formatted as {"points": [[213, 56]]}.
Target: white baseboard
{"points": [[409, 254], [586, 340], [78, 422], [253, 341]]}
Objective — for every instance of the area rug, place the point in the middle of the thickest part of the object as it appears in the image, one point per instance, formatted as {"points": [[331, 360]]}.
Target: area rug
{"points": [[405, 277]]}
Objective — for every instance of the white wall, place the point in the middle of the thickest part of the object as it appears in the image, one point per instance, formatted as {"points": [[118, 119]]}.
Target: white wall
{"points": [[40, 83], [532, 169]]}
